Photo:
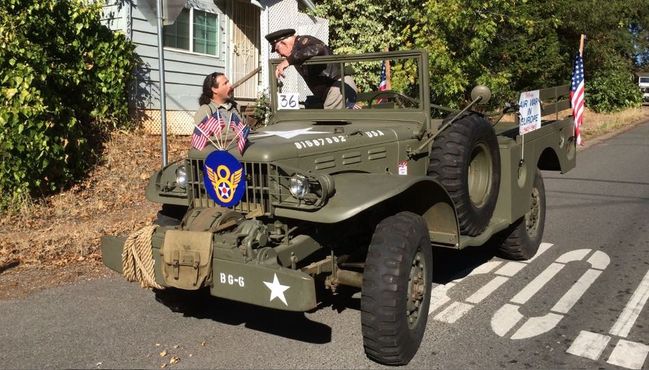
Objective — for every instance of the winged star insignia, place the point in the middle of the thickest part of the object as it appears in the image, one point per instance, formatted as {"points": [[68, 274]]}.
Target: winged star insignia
{"points": [[224, 183], [224, 179]]}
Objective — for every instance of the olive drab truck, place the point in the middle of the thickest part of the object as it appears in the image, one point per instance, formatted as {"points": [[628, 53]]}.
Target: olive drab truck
{"points": [[353, 197]]}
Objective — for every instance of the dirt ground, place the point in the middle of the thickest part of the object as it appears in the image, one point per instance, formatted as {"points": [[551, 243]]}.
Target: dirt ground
{"points": [[56, 240]]}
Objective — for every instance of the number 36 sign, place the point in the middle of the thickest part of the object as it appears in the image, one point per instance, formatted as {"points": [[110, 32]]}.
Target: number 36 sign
{"points": [[288, 101]]}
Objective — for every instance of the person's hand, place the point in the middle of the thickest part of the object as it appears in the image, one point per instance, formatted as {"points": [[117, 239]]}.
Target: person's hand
{"points": [[279, 70]]}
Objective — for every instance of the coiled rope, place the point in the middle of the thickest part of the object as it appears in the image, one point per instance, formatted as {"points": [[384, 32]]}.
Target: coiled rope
{"points": [[137, 261]]}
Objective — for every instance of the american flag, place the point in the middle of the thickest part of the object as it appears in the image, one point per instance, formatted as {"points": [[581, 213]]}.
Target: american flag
{"points": [[383, 85], [241, 129], [577, 94], [204, 130]]}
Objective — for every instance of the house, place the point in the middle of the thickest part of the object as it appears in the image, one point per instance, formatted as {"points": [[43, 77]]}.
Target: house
{"points": [[208, 36]]}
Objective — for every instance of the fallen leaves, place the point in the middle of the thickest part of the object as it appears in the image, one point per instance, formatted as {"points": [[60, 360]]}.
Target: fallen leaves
{"points": [[66, 227], [174, 358]]}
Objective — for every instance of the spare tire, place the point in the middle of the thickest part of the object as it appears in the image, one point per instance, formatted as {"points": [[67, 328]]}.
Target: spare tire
{"points": [[464, 158]]}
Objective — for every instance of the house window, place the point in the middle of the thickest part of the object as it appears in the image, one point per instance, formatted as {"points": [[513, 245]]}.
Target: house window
{"points": [[195, 31]]}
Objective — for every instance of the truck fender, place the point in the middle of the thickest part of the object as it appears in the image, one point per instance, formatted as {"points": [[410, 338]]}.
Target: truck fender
{"points": [[162, 187], [357, 192]]}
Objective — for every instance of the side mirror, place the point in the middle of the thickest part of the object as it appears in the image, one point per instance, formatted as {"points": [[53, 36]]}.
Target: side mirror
{"points": [[481, 92]]}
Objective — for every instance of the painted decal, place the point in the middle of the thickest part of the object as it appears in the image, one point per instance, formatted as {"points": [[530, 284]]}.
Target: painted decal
{"points": [[288, 134], [231, 279], [224, 179], [374, 133], [403, 167], [322, 141], [277, 290]]}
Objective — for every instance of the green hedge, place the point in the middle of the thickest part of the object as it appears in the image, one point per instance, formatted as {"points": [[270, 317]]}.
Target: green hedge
{"points": [[63, 83], [612, 91]]}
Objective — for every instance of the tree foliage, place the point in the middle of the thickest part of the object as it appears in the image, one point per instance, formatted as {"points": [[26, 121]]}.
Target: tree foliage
{"points": [[63, 82], [509, 45], [364, 26], [613, 91]]}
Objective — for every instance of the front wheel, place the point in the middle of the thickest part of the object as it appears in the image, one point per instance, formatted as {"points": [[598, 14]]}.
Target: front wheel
{"points": [[396, 289]]}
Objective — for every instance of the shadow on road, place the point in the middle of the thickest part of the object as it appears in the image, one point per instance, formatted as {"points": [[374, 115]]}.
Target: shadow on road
{"points": [[201, 305], [451, 264], [448, 264]]}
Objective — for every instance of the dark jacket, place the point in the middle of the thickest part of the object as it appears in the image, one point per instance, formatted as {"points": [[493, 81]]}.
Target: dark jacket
{"points": [[319, 77]]}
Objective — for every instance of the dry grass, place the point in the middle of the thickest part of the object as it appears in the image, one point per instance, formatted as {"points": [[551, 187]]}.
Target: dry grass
{"points": [[598, 124], [67, 226]]}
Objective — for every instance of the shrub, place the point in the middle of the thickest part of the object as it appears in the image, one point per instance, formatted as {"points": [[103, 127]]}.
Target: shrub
{"points": [[64, 79], [612, 91]]}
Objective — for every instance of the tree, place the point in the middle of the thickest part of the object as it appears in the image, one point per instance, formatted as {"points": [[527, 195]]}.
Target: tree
{"points": [[509, 45], [365, 26], [63, 83]]}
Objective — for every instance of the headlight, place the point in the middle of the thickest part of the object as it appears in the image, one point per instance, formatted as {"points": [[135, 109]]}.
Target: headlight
{"points": [[181, 176], [299, 186]]}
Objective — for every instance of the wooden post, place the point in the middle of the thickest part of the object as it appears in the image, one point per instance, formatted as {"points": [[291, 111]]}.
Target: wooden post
{"points": [[581, 45]]}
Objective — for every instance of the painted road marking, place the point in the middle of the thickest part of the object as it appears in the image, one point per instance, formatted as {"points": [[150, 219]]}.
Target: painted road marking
{"points": [[508, 316], [589, 345], [627, 354], [631, 311], [487, 289], [511, 268], [535, 285], [454, 311]]}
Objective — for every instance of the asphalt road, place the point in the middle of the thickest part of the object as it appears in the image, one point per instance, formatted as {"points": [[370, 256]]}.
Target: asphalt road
{"points": [[581, 303]]}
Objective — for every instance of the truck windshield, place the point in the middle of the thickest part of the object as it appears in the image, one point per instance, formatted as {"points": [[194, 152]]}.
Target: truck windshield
{"points": [[644, 80], [356, 83]]}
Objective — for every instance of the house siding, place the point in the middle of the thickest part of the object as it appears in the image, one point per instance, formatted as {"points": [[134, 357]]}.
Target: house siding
{"points": [[115, 16], [185, 71]]}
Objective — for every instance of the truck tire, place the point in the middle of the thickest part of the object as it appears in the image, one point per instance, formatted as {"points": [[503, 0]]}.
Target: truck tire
{"points": [[396, 289], [522, 239], [464, 158]]}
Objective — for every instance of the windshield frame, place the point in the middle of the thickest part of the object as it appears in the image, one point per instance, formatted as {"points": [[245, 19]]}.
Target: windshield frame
{"points": [[418, 56]]}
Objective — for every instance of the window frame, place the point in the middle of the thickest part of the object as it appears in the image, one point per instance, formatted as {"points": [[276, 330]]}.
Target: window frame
{"points": [[191, 36]]}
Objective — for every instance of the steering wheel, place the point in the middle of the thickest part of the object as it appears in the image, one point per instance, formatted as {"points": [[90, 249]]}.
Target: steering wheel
{"points": [[403, 101]]}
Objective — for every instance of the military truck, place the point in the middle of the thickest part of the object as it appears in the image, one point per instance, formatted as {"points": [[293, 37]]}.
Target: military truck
{"points": [[355, 197]]}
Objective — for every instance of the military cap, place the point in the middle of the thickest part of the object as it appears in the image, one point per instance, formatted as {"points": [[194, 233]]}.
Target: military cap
{"points": [[279, 35]]}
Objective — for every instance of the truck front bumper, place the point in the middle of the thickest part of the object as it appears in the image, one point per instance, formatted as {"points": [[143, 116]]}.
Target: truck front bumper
{"points": [[262, 284]]}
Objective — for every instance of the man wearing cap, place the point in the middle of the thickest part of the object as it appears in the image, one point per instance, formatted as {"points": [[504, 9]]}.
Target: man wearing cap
{"points": [[323, 79]]}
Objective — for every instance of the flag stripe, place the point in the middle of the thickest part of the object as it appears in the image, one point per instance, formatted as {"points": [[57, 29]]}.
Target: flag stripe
{"points": [[577, 95]]}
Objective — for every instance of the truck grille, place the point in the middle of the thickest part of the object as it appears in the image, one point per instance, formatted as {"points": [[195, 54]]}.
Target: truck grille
{"points": [[262, 181]]}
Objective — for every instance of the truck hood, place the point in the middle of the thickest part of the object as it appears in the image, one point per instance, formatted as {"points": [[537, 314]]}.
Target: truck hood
{"points": [[294, 139]]}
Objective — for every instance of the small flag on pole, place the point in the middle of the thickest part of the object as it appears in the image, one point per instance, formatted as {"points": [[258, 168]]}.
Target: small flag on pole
{"points": [[241, 129], [204, 130], [577, 95], [383, 84]]}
